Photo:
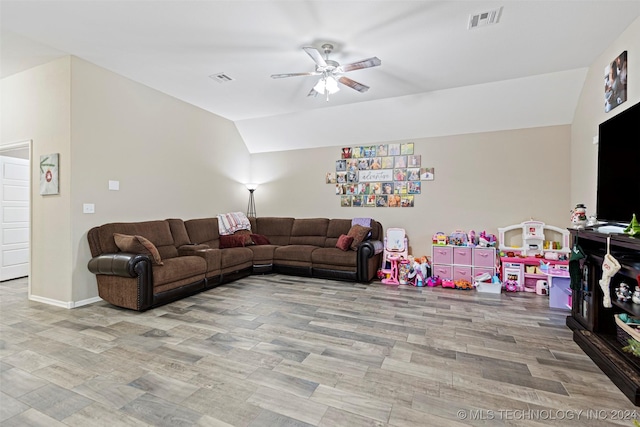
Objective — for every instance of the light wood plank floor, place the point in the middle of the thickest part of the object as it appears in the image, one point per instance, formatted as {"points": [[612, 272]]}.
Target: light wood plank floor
{"points": [[280, 350]]}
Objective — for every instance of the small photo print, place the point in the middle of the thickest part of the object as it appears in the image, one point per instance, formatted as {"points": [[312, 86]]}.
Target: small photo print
{"points": [[615, 82], [414, 187], [394, 201], [352, 165], [394, 149], [356, 201], [341, 165], [376, 163], [340, 190], [381, 201], [387, 163], [399, 174], [330, 178], [369, 151], [413, 174], [413, 161], [364, 164], [387, 188], [341, 177], [376, 188], [382, 150], [352, 176], [346, 152], [407, 202], [345, 201], [400, 162], [400, 188], [350, 189], [364, 188], [357, 152], [406, 148], [427, 174], [370, 200]]}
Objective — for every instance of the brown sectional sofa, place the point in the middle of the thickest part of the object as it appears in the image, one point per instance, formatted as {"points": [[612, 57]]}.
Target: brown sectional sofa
{"points": [[192, 260]]}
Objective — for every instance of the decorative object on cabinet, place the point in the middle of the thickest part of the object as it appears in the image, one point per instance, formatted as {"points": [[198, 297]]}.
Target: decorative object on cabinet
{"points": [[579, 216], [440, 239], [633, 229], [594, 326], [534, 239]]}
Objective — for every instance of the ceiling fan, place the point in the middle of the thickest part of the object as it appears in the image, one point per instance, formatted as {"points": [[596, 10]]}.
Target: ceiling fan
{"points": [[331, 72]]}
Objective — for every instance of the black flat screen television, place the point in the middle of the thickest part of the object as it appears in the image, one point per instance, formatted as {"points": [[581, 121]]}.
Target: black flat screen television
{"points": [[618, 196]]}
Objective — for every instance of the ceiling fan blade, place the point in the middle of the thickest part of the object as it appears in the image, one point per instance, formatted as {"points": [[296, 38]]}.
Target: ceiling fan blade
{"points": [[280, 76], [316, 56], [353, 84], [365, 63]]}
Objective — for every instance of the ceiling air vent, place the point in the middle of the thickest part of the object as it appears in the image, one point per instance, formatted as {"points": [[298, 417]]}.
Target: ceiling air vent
{"points": [[222, 78], [484, 18]]}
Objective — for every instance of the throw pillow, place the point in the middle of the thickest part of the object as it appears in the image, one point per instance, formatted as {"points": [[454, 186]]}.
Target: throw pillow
{"points": [[137, 245], [358, 232], [232, 241], [247, 236], [344, 242], [259, 239]]}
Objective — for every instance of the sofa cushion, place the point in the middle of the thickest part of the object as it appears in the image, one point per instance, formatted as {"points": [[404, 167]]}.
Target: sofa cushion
{"points": [[358, 232], [232, 241], [333, 257], [203, 230], [277, 229], [157, 232], [137, 245], [260, 239], [296, 255], [344, 242], [247, 236], [309, 231]]}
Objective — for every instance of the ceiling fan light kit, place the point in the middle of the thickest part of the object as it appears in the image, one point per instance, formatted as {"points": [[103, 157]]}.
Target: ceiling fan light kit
{"points": [[331, 72]]}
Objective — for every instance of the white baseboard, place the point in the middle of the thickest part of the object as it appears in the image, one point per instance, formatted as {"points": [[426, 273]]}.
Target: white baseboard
{"points": [[63, 304]]}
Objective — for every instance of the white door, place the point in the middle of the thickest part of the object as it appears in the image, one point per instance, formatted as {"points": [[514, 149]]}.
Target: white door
{"points": [[14, 218]]}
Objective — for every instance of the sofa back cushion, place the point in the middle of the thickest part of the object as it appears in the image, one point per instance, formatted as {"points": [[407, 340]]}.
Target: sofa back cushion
{"points": [[336, 228], [276, 229], [157, 232], [309, 231], [203, 231]]}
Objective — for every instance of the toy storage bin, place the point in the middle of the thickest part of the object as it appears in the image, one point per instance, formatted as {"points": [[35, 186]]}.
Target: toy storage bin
{"points": [[442, 271], [442, 255], [462, 256], [484, 257], [559, 290]]}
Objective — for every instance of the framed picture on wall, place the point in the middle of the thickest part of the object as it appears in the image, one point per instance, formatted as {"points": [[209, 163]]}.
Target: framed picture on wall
{"points": [[615, 82], [49, 174]]}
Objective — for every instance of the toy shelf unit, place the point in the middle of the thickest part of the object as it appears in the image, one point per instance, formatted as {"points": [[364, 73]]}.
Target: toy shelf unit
{"points": [[536, 238], [541, 247], [463, 262]]}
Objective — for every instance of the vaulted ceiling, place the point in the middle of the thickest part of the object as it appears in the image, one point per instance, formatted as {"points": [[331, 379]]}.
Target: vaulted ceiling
{"points": [[437, 75]]}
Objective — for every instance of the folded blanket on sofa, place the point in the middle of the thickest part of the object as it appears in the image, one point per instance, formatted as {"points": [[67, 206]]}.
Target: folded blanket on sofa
{"points": [[229, 223]]}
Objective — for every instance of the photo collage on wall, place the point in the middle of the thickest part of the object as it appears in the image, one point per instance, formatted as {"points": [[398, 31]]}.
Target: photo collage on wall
{"points": [[386, 175]]}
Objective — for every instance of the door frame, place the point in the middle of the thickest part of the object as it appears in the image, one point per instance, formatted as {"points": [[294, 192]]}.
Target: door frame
{"points": [[28, 144]]}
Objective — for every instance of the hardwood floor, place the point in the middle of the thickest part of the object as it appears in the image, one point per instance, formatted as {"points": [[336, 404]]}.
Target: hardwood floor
{"points": [[287, 351]]}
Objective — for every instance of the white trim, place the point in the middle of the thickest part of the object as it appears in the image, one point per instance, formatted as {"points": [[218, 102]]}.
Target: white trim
{"points": [[62, 304]]}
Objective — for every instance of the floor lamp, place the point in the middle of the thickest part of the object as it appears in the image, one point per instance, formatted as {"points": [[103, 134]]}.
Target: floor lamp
{"points": [[251, 207]]}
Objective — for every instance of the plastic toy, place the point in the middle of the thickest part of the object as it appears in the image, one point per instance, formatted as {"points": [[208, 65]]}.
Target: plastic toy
{"points": [[392, 278], [448, 283], [511, 286], [458, 238], [434, 281], [463, 284], [486, 240], [481, 278], [472, 238], [440, 239], [419, 271]]}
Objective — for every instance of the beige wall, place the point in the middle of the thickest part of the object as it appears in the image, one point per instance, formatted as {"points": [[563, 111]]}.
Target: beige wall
{"points": [[172, 160], [482, 182], [36, 105], [590, 113]]}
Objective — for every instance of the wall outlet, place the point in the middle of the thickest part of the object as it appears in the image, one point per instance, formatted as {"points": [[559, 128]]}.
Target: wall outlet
{"points": [[88, 208], [114, 185], [595, 140]]}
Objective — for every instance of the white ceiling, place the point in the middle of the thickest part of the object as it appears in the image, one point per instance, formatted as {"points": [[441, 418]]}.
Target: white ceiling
{"points": [[437, 77]]}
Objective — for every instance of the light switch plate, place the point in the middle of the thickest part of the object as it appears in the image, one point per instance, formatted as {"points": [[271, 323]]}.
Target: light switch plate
{"points": [[88, 208], [595, 140], [114, 185]]}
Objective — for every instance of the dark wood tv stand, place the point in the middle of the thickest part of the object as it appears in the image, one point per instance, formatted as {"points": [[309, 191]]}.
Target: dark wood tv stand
{"points": [[594, 328]]}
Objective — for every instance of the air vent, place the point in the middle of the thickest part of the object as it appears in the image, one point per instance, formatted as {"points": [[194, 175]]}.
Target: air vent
{"points": [[222, 78], [485, 18]]}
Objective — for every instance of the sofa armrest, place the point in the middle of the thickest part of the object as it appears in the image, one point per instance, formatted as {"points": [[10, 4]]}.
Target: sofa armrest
{"points": [[122, 264], [367, 250]]}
